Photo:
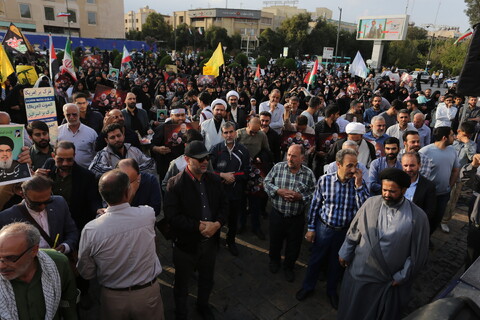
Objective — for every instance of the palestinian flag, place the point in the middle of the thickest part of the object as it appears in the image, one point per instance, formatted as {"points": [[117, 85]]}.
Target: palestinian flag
{"points": [[54, 66], [126, 60], [16, 42], [257, 73], [310, 77], [67, 65]]}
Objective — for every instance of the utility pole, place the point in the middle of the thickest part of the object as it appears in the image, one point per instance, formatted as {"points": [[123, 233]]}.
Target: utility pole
{"points": [[175, 31], [338, 34], [68, 20]]}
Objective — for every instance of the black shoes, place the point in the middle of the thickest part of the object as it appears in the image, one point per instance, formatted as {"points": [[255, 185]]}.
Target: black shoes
{"points": [[333, 298], [206, 312], [302, 294], [289, 275], [274, 267], [232, 247]]}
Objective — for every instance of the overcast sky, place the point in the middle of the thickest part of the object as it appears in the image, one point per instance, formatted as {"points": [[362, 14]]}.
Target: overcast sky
{"points": [[451, 12]]}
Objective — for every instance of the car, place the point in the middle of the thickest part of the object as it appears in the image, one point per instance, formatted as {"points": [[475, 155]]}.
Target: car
{"points": [[450, 82], [424, 76]]}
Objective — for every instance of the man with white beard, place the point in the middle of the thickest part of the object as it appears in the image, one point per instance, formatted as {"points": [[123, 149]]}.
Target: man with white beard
{"points": [[10, 169]]}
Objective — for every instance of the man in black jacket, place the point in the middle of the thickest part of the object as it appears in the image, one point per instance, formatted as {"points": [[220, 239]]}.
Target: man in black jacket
{"points": [[196, 207]]}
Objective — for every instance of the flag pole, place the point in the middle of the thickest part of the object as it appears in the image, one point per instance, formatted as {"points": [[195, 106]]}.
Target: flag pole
{"points": [[68, 20]]}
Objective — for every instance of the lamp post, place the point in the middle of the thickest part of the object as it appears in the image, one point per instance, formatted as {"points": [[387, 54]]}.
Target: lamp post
{"points": [[338, 34]]}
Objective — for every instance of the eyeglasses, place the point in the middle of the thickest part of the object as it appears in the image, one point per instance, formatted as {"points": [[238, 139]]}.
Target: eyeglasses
{"points": [[72, 115], [14, 259], [38, 203], [206, 158]]}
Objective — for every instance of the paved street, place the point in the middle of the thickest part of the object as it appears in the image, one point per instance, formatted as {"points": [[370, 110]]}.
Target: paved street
{"points": [[245, 289]]}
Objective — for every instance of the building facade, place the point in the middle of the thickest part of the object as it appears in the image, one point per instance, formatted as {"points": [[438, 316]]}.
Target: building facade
{"points": [[135, 20], [88, 18]]}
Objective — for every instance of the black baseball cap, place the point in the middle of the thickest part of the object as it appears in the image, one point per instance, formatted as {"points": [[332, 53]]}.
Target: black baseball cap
{"points": [[196, 149]]}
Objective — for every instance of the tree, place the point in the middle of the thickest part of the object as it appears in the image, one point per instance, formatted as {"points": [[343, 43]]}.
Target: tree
{"points": [[134, 35], [242, 59], [156, 27], [416, 33], [295, 32], [165, 60], [214, 35], [271, 43], [184, 38], [473, 11], [236, 41], [290, 64], [262, 61]]}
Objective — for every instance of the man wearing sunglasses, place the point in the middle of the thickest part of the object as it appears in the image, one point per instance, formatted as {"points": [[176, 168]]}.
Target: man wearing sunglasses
{"points": [[196, 206], [33, 283], [50, 214]]}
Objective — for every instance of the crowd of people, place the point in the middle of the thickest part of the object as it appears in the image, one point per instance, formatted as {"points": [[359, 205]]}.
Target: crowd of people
{"points": [[379, 175]]}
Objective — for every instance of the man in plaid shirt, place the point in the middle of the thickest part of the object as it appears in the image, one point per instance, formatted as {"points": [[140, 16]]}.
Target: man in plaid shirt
{"points": [[337, 198], [290, 185]]}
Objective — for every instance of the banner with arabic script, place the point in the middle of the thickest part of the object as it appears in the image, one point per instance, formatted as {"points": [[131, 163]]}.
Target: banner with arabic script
{"points": [[40, 105]]}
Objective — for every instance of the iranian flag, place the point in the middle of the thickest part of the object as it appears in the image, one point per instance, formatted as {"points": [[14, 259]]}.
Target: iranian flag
{"points": [[469, 32], [126, 60], [310, 78], [67, 65]]}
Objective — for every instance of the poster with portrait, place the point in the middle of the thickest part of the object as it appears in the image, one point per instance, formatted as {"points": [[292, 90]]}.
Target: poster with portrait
{"points": [[291, 137], [206, 80], [162, 115], [325, 141], [113, 74], [175, 134], [173, 82], [93, 61], [379, 150], [62, 83], [11, 143], [107, 98], [40, 105], [256, 177]]}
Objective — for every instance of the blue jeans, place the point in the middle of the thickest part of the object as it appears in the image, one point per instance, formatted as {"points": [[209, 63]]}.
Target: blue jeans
{"points": [[326, 245]]}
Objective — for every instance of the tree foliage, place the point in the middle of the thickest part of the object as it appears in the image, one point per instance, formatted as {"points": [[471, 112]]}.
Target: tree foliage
{"points": [[295, 32], [271, 43], [290, 64], [262, 61], [473, 11], [165, 60], [156, 27], [134, 35], [241, 59], [214, 35]]}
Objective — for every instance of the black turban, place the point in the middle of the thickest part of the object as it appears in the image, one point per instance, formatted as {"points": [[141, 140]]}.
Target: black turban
{"points": [[7, 141], [396, 175]]}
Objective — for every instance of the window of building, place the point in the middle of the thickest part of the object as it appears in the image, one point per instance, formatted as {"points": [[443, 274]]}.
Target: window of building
{"points": [[192, 20], [266, 20], [73, 16], [92, 17], [181, 19], [91, 1], [49, 13], [136, 20], [126, 20], [25, 11], [218, 19]]}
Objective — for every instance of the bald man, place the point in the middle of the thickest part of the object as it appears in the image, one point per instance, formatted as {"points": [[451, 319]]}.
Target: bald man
{"points": [[116, 116], [136, 119], [255, 140]]}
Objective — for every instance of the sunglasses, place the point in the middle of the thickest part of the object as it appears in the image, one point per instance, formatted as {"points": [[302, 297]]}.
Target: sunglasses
{"points": [[13, 259], [206, 158], [38, 203]]}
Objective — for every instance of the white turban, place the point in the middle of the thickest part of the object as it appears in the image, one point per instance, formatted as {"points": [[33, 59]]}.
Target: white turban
{"points": [[232, 93], [218, 101], [355, 128]]}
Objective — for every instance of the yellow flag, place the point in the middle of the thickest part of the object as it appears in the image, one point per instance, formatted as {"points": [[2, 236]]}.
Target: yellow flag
{"points": [[6, 68], [211, 68], [26, 75]]}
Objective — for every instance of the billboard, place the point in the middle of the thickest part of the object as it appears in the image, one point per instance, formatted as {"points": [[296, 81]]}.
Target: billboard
{"points": [[388, 28]]}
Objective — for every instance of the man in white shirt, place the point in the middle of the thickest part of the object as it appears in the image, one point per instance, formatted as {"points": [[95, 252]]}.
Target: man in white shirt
{"points": [[81, 135], [424, 131], [445, 112], [403, 125], [276, 110]]}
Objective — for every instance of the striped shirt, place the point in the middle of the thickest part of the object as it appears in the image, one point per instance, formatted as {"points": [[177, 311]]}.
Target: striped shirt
{"points": [[280, 177], [335, 202]]}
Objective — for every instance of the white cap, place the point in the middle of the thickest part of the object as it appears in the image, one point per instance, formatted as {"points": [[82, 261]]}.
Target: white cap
{"points": [[355, 128], [232, 93], [218, 101]]}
